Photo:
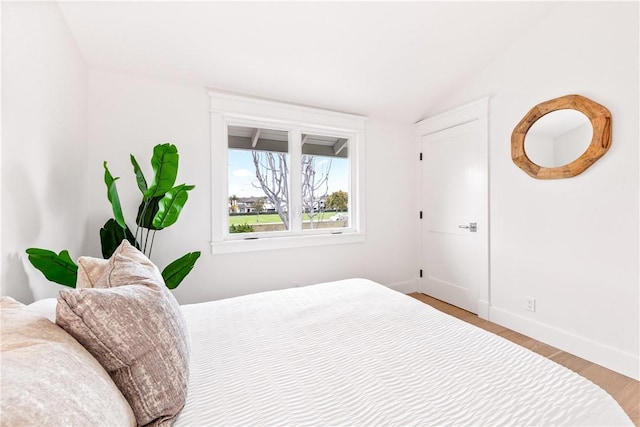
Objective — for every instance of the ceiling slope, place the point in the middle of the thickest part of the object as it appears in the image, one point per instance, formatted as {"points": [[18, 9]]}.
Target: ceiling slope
{"points": [[385, 59]]}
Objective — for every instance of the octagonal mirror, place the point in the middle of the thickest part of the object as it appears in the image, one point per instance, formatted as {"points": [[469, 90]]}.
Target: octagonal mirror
{"points": [[561, 138]]}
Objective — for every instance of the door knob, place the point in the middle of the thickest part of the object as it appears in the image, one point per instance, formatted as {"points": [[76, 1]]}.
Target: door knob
{"points": [[472, 227]]}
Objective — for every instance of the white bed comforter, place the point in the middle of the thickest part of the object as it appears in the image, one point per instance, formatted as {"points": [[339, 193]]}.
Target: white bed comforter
{"points": [[356, 353]]}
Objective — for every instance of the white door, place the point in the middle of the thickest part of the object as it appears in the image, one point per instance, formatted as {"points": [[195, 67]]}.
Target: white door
{"points": [[455, 215]]}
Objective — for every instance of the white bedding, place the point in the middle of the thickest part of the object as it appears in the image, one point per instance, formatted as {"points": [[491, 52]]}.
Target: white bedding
{"points": [[356, 353]]}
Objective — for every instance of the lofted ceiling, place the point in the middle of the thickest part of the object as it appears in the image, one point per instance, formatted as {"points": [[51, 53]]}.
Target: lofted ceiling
{"points": [[396, 60]]}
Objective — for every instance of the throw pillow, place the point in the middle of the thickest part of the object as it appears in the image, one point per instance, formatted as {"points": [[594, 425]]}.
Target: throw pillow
{"points": [[49, 379], [131, 323], [90, 270]]}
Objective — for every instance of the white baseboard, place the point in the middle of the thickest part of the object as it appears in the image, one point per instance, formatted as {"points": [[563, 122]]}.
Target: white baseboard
{"points": [[609, 357], [483, 309], [404, 287]]}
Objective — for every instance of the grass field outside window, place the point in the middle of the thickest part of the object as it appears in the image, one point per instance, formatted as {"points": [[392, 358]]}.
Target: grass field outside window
{"points": [[273, 218]]}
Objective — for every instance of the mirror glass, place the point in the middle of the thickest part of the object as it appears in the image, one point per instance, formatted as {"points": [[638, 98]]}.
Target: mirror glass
{"points": [[558, 138]]}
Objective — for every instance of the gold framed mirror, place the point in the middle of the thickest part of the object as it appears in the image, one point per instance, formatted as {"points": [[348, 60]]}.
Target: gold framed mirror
{"points": [[597, 116]]}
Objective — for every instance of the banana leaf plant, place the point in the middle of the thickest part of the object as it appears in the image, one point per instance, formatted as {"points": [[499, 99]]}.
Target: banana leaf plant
{"points": [[161, 204]]}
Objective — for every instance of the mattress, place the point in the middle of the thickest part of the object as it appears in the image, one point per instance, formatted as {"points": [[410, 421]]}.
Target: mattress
{"points": [[354, 353]]}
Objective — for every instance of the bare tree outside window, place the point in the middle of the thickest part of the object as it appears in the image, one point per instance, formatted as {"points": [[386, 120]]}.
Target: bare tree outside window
{"points": [[273, 176], [315, 186]]}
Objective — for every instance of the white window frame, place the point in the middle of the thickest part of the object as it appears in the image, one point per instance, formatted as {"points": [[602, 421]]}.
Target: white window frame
{"points": [[235, 110]]}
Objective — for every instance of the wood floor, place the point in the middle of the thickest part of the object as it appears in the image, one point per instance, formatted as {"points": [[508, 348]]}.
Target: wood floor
{"points": [[623, 389]]}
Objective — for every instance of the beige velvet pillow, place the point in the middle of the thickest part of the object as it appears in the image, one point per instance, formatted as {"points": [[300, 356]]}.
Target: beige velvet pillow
{"points": [[133, 326], [90, 270], [48, 379]]}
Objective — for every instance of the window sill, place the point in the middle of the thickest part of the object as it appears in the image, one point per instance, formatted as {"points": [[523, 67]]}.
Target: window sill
{"points": [[271, 243]]}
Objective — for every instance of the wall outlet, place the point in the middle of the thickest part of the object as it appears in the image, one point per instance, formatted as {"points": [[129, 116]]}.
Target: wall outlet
{"points": [[531, 304]]}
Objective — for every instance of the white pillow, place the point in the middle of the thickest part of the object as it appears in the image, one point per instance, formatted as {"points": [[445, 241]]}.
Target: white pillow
{"points": [[45, 307]]}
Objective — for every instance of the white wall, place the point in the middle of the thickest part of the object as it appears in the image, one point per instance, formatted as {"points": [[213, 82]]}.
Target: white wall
{"points": [[44, 143], [571, 243], [131, 114]]}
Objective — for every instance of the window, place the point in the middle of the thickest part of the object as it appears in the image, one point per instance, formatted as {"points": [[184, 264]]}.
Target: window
{"points": [[258, 179], [325, 182], [284, 176]]}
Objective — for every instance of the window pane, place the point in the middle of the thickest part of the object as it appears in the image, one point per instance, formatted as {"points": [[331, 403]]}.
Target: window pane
{"points": [[325, 181], [258, 179]]}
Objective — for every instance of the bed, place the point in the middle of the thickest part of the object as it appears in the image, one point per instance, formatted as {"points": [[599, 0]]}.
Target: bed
{"points": [[122, 351], [354, 352]]}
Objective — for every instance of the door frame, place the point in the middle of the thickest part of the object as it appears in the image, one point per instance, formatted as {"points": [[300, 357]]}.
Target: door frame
{"points": [[477, 110]]}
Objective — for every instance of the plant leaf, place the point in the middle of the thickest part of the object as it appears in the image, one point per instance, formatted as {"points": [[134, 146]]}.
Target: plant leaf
{"points": [[140, 179], [58, 268], [175, 272], [170, 206], [111, 235], [112, 195], [165, 168], [149, 213]]}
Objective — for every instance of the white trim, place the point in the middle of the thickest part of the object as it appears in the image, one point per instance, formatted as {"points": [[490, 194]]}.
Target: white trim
{"points": [[218, 176], [254, 107], [463, 114], [227, 109], [295, 181], [271, 243], [617, 360], [474, 111], [483, 309]]}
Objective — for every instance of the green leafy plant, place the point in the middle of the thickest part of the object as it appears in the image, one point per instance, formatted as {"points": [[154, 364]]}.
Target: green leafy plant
{"points": [[161, 204], [58, 268]]}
